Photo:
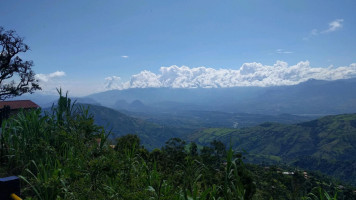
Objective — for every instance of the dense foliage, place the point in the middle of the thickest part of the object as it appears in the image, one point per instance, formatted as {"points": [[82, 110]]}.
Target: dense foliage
{"points": [[62, 154]]}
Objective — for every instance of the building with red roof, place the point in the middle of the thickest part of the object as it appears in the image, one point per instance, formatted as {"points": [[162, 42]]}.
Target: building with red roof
{"points": [[8, 108], [19, 104]]}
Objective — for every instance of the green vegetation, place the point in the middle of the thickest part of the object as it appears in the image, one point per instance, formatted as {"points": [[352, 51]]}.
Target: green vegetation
{"points": [[62, 154], [326, 144]]}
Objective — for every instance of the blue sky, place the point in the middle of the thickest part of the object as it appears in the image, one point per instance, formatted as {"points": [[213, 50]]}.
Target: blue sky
{"points": [[81, 45]]}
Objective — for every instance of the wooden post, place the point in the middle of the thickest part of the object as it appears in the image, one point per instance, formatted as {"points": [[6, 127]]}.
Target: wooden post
{"points": [[8, 186]]}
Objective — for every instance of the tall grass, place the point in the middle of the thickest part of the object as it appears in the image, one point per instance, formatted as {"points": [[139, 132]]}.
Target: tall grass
{"points": [[49, 149]]}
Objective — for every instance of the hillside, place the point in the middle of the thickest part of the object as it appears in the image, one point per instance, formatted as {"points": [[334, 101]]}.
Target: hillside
{"points": [[154, 128], [197, 119], [151, 135], [327, 144]]}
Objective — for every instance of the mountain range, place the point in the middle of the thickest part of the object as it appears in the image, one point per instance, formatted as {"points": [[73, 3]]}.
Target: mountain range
{"points": [[313, 97]]}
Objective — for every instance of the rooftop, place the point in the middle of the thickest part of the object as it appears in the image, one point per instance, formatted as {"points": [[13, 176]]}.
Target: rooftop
{"points": [[18, 104]]}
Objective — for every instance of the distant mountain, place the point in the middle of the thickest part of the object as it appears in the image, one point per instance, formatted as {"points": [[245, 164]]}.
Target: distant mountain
{"points": [[135, 105], [327, 144], [168, 98], [313, 97]]}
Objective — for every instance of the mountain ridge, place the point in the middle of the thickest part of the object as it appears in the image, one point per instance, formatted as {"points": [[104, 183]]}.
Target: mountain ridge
{"points": [[310, 97]]}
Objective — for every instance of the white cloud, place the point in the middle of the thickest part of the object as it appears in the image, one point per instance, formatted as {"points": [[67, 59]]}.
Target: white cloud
{"points": [[48, 77], [334, 25], [49, 82], [283, 51], [249, 74], [112, 82], [124, 56]]}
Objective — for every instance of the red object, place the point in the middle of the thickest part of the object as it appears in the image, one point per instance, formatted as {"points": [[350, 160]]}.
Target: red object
{"points": [[25, 104]]}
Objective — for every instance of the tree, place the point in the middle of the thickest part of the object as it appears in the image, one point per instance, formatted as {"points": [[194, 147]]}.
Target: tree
{"points": [[214, 154], [16, 75], [175, 148], [128, 142], [193, 149], [174, 152]]}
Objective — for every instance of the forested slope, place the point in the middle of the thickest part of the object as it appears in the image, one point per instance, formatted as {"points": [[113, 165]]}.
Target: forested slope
{"points": [[327, 144]]}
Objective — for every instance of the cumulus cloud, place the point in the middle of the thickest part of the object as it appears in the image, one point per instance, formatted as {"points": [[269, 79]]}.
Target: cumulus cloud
{"points": [[49, 82], [48, 77], [124, 56], [112, 82], [334, 25], [249, 74]]}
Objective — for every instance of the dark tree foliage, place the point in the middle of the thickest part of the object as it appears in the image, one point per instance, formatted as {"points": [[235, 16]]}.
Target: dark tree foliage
{"points": [[214, 154], [193, 149], [174, 154], [16, 75], [174, 148], [219, 149], [129, 141]]}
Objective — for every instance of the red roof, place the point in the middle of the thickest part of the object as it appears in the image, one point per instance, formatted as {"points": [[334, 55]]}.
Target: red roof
{"points": [[18, 104]]}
